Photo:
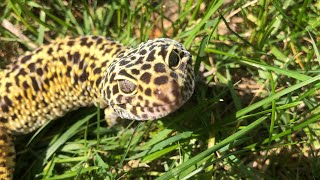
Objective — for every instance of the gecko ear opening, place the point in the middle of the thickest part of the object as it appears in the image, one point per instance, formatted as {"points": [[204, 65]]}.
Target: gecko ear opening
{"points": [[127, 87]]}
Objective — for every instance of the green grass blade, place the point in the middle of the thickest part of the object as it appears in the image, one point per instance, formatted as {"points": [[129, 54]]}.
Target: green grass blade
{"points": [[193, 161], [67, 135]]}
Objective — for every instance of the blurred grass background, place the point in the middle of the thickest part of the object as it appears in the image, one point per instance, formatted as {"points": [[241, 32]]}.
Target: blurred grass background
{"points": [[254, 113]]}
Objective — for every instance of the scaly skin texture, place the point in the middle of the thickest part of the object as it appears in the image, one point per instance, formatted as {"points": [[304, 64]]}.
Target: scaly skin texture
{"points": [[142, 83]]}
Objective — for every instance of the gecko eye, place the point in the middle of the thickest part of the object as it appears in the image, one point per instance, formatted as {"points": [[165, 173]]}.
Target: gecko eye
{"points": [[174, 59], [127, 87]]}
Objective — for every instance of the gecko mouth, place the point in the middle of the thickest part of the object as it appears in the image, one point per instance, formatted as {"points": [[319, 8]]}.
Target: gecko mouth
{"points": [[149, 112]]}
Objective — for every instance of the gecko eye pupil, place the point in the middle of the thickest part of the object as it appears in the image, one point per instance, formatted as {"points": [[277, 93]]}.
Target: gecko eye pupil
{"points": [[127, 86], [174, 59]]}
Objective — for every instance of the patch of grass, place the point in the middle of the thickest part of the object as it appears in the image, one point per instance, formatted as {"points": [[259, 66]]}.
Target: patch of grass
{"points": [[254, 113]]}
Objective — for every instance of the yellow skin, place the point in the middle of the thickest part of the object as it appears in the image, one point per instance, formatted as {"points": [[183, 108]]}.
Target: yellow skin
{"points": [[142, 83]]}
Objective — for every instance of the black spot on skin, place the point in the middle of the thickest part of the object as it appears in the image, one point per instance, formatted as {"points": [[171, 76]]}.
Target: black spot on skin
{"points": [[15, 67], [3, 120], [50, 50], [39, 60], [155, 104], [26, 58], [91, 83], [92, 65], [147, 103], [70, 43], [81, 64], [75, 78], [124, 73], [174, 75], [123, 62], [5, 139], [129, 100], [152, 47], [98, 81], [115, 89], [22, 72], [89, 44], [8, 84], [132, 58], [160, 67], [111, 69], [5, 108], [163, 52], [151, 56], [134, 111], [54, 75], [113, 75], [86, 55], [104, 64], [7, 101], [133, 52], [38, 50], [83, 41], [16, 79], [143, 52], [162, 97], [46, 81], [59, 47], [68, 74], [161, 80], [14, 116], [19, 97], [145, 77], [8, 74], [97, 71], [148, 92], [76, 57], [69, 56], [140, 97], [25, 85], [63, 60], [108, 50], [32, 67], [150, 109], [99, 41], [144, 116], [176, 92], [135, 71], [146, 67], [33, 97], [140, 60], [138, 104], [108, 93], [119, 98], [84, 76], [35, 84], [122, 106], [140, 88], [121, 55], [117, 52]]}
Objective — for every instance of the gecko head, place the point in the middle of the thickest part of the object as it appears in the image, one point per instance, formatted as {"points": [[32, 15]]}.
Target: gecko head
{"points": [[150, 81]]}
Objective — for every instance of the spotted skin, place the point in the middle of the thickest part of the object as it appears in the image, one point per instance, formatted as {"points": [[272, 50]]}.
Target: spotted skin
{"points": [[142, 83]]}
